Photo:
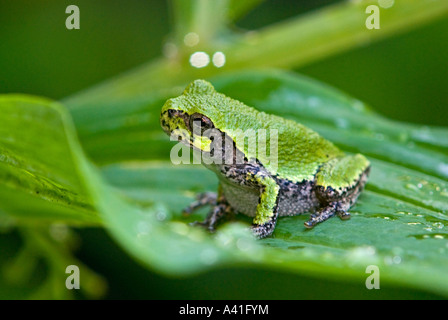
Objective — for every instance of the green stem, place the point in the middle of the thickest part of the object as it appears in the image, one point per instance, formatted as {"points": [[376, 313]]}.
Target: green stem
{"points": [[329, 31], [205, 18], [294, 43]]}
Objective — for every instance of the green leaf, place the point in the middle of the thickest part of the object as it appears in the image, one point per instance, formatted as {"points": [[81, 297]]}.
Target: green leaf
{"points": [[39, 163], [43, 180], [204, 18], [399, 223]]}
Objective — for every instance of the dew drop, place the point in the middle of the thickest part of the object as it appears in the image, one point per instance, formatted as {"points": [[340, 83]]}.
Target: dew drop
{"points": [[386, 3], [199, 59], [219, 59], [170, 50], [244, 244], [191, 39], [438, 225], [443, 168], [396, 259], [411, 186], [161, 215], [59, 231]]}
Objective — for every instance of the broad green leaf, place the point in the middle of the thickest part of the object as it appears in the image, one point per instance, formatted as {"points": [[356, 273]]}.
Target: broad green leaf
{"points": [[39, 164], [47, 178], [399, 223]]}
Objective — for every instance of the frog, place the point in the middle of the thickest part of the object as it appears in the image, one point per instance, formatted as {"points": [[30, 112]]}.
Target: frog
{"points": [[310, 174]]}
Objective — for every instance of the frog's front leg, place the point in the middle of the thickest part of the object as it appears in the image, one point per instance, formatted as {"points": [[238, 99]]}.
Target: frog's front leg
{"points": [[202, 200], [219, 210], [267, 209]]}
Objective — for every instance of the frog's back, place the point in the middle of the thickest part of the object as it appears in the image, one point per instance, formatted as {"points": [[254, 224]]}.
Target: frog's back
{"points": [[295, 153], [301, 151]]}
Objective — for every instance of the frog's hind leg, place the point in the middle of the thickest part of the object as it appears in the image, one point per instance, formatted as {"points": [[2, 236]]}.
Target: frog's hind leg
{"points": [[339, 208], [338, 186], [322, 214]]}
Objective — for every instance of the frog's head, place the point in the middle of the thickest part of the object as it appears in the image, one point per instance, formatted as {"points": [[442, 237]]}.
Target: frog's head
{"points": [[198, 110]]}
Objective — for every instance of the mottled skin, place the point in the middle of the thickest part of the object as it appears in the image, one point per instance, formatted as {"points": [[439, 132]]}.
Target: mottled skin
{"points": [[310, 174]]}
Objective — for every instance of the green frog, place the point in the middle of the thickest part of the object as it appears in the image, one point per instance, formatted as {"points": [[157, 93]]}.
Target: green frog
{"points": [[304, 173]]}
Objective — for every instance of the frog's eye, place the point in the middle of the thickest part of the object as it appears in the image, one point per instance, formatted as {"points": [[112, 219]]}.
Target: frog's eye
{"points": [[200, 123]]}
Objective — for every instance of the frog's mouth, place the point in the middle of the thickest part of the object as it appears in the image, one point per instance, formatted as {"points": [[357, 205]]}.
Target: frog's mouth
{"points": [[175, 123]]}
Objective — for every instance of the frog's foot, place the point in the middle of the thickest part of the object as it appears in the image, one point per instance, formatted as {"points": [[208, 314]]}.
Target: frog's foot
{"points": [[334, 208], [202, 200], [322, 215], [264, 230], [344, 215], [219, 211]]}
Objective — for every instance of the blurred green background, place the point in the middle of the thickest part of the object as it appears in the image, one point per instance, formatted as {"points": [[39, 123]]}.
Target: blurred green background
{"points": [[403, 77]]}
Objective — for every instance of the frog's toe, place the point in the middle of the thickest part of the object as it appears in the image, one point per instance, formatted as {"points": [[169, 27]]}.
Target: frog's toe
{"points": [[215, 216], [315, 219], [263, 230], [202, 200], [344, 215], [204, 224], [321, 215], [309, 224], [207, 197]]}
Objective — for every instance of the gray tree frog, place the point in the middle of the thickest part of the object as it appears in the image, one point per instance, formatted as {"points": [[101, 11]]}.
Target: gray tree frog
{"points": [[311, 174]]}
